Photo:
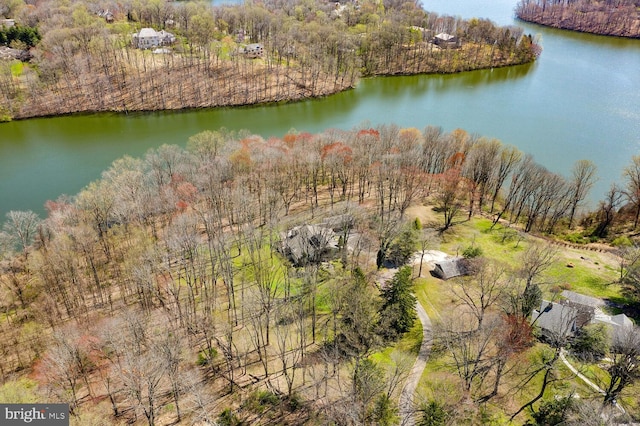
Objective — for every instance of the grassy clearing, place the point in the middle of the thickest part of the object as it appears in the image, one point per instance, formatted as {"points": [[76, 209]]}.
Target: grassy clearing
{"points": [[407, 346], [591, 273], [432, 295], [17, 68], [583, 271]]}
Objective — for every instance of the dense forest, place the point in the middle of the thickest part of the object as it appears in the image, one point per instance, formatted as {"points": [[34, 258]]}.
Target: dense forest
{"points": [[164, 292], [607, 17], [86, 62]]}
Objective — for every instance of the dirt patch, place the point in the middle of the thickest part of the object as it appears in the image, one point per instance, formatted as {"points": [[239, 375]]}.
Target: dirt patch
{"points": [[424, 213]]}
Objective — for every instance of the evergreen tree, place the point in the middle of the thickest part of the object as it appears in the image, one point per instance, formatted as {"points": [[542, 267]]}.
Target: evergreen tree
{"points": [[398, 311]]}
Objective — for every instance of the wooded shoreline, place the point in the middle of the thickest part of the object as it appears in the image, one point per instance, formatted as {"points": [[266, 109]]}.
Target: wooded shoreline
{"points": [[87, 65], [591, 16]]}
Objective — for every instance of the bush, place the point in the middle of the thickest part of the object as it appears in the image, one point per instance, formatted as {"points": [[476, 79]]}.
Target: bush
{"points": [[622, 241], [294, 402], [403, 247], [433, 414], [205, 356], [575, 238], [472, 252], [228, 418], [260, 400], [591, 343], [555, 412]]}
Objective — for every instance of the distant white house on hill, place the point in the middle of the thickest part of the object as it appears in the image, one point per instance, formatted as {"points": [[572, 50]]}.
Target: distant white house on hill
{"points": [[253, 50], [148, 38]]}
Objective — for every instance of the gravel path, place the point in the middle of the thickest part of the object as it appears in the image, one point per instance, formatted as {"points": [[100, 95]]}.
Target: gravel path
{"points": [[407, 397]]}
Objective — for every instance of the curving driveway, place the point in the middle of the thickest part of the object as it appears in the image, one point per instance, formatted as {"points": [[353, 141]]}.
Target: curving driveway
{"points": [[407, 397]]}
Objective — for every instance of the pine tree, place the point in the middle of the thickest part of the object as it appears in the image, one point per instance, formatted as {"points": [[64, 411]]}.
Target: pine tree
{"points": [[398, 311]]}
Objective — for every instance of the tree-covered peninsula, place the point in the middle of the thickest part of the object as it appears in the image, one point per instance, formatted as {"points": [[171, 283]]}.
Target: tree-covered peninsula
{"points": [[85, 57], [606, 17]]}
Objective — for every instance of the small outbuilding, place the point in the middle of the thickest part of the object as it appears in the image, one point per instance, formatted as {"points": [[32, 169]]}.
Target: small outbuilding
{"points": [[452, 267]]}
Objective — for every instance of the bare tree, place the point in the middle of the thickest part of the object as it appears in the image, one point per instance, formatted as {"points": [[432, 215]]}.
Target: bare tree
{"points": [[472, 348], [19, 230], [481, 290], [509, 158], [607, 211], [290, 331], [449, 197], [631, 175], [583, 176], [557, 336], [624, 368]]}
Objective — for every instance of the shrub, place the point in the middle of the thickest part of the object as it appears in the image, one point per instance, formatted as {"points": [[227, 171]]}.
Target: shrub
{"points": [[205, 356], [433, 414], [591, 342], [403, 247], [260, 400], [622, 241], [554, 412], [575, 238], [294, 402], [228, 418], [471, 252]]}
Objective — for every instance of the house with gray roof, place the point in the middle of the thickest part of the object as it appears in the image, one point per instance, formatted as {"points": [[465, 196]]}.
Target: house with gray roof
{"points": [[584, 310], [446, 41], [308, 244], [556, 320], [582, 299]]}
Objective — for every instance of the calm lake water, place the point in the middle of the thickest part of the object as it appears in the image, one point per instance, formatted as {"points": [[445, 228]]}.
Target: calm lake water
{"points": [[581, 100]]}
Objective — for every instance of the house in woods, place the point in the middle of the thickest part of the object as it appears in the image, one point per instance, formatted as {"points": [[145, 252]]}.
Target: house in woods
{"points": [[619, 326], [585, 306], [590, 311], [339, 223], [9, 54], [574, 311], [308, 244], [556, 321], [148, 38], [446, 41], [253, 50], [452, 267], [107, 15]]}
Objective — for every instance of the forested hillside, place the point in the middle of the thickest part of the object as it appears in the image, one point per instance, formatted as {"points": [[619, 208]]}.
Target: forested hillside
{"points": [[165, 291], [616, 18], [85, 62]]}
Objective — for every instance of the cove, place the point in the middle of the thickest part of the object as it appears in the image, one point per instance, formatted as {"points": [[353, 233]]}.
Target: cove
{"points": [[581, 100]]}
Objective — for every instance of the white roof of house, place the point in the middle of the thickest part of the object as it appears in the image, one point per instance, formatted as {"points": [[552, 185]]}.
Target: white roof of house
{"points": [[445, 36], [147, 32]]}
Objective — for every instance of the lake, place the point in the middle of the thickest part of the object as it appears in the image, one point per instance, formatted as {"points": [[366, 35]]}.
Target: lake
{"points": [[581, 100]]}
